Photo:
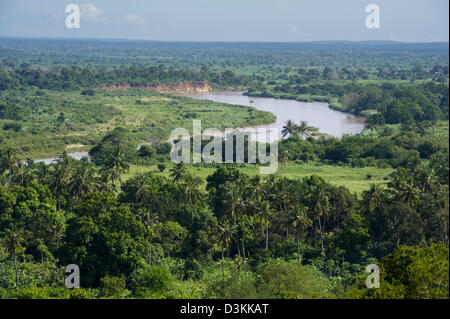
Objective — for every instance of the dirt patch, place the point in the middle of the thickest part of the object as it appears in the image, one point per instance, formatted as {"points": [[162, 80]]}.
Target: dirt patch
{"points": [[150, 99]]}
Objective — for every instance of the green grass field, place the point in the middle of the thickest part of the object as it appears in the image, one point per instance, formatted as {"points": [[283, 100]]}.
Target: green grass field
{"points": [[355, 179]]}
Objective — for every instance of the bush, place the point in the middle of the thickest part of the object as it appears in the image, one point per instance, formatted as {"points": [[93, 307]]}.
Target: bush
{"points": [[147, 151], [410, 272], [192, 270], [80, 293], [12, 127], [232, 288], [163, 148], [281, 279], [151, 279], [89, 92], [36, 293], [113, 287]]}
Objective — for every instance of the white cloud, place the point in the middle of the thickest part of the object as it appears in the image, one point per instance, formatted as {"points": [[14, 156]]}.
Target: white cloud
{"points": [[134, 19], [91, 12]]}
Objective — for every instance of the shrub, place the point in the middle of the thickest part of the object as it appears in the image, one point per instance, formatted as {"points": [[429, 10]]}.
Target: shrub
{"points": [[281, 279], [151, 279], [147, 151], [89, 92], [36, 293], [113, 287], [232, 288], [163, 148], [12, 127], [192, 270]]}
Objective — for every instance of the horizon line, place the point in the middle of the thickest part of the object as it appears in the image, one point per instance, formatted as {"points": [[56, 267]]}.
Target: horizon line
{"points": [[211, 41]]}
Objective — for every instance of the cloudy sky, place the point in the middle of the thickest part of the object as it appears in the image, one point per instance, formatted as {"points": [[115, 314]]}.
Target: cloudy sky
{"points": [[230, 20]]}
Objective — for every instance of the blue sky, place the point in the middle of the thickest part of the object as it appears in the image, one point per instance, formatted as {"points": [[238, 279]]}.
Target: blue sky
{"points": [[230, 20]]}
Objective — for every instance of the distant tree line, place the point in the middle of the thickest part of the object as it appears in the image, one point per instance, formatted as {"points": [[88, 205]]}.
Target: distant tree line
{"points": [[75, 78]]}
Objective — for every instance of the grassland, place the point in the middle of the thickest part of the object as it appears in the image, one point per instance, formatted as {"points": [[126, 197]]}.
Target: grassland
{"points": [[56, 121], [355, 179]]}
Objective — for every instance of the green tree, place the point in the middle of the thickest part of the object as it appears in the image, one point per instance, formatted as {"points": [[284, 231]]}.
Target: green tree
{"points": [[300, 223], [304, 130], [266, 212], [227, 232], [12, 240], [191, 192], [147, 280], [8, 161], [178, 172], [83, 181], [289, 129], [117, 165]]}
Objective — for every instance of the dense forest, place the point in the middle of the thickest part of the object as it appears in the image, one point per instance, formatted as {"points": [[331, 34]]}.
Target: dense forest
{"points": [[140, 226], [84, 78]]}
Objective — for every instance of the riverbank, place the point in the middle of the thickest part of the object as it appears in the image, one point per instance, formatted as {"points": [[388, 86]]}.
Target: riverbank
{"points": [[333, 102], [317, 114]]}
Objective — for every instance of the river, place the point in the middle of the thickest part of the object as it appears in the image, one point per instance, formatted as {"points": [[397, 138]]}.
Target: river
{"points": [[317, 114]]}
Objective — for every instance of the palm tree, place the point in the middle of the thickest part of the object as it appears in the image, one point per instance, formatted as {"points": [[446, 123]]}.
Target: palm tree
{"points": [[226, 235], [256, 188], [21, 174], [83, 180], [148, 220], [43, 173], [58, 233], [105, 182], [43, 249], [304, 130], [178, 172], [320, 206], [143, 192], [191, 193], [301, 222], [12, 241], [404, 187], [289, 128], [267, 212], [117, 165], [8, 160], [373, 198], [61, 176], [282, 196], [233, 197]]}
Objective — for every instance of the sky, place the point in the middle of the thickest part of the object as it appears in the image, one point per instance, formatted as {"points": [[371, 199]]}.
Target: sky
{"points": [[229, 20]]}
